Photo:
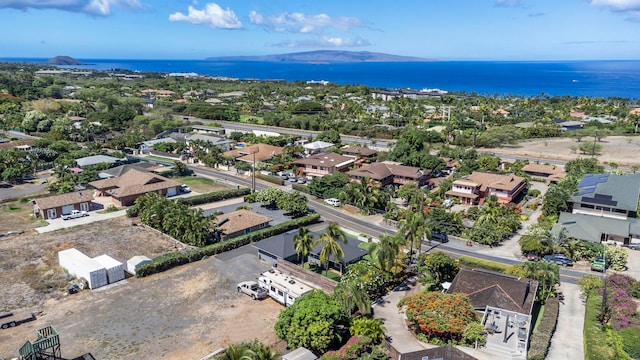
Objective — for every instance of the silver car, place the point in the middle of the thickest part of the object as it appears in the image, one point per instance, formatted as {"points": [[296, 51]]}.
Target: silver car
{"points": [[252, 289]]}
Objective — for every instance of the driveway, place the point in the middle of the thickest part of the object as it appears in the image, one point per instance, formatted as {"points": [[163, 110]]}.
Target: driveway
{"points": [[567, 340], [57, 224]]}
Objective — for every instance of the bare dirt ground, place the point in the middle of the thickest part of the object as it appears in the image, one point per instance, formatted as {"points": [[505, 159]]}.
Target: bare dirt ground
{"points": [[622, 150], [184, 313]]}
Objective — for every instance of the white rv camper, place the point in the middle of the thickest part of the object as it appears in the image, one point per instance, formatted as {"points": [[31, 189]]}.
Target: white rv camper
{"points": [[284, 289]]}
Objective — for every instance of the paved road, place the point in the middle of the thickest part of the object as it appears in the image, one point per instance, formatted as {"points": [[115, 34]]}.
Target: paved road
{"points": [[19, 191]]}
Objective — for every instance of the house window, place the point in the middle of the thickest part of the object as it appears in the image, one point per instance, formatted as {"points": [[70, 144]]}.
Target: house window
{"points": [[262, 226], [51, 214], [246, 231]]}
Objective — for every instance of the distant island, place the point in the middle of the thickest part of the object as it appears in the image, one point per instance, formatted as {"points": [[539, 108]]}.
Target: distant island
{"points": [[324, 56], [64, 60]]}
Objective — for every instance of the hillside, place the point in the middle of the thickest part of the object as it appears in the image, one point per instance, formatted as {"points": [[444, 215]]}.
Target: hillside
{"points": [[64, 60], [324, 56]]}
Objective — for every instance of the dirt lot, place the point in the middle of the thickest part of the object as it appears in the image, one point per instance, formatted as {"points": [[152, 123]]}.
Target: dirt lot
{"points": [[184, 314], [622, 150]]}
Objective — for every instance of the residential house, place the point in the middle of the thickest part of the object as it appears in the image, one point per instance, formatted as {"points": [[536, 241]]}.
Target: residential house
{"points": [[140, 166], [389, 173], [209, 130], [506, 303], [323, 164], [257, 153], [362, 154], [221, 143], [547, 172], [52, 207], [605, 208], [99, 159], [317, 147], [474, 188], [125, 189], [147, 146], [240, 222], [280, 247]]}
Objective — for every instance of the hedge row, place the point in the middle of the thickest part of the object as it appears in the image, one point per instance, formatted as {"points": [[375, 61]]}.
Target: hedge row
{"points": [[301, 188], [170, 260], [483, 264], [541, 339], [271, 179], [213, 196]]}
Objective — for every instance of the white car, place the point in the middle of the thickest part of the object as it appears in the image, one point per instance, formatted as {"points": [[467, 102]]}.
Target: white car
{"points": [[75, 214], [252, 289], [185, 189], [333, 202]]}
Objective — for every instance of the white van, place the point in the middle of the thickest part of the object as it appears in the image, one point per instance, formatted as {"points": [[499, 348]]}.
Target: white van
{"points": [[332, 202]]}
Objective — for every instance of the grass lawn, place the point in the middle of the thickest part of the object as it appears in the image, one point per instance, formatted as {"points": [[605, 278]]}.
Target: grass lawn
{"points": [[200, 184], [252, 119], [595, 340], [332, 275]]}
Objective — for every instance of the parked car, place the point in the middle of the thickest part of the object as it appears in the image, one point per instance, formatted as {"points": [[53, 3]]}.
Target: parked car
{"points": [[252, 289], [633, 246], [443, 238], [302, 180], [75, 214], [332, 202], [185, 189], [559, 259], [293, 179], [533, 256], [599, 264]]}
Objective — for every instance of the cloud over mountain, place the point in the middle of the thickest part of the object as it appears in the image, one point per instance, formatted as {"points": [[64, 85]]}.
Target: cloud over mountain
{"points": [[297, 22]]}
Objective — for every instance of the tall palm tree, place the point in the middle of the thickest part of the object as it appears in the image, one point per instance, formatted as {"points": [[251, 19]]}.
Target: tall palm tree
{"points": [[414, 228], [303, 243], [330, 240]]}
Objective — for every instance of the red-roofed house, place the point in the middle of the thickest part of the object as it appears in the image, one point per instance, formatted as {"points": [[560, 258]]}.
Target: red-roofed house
{"points": [[324, 164], [385, 173]]}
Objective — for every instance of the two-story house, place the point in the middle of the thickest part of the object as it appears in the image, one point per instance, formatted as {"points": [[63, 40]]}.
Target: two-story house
{"points": [[605, 208], [323, 164], [474, 188], [389, 173]]}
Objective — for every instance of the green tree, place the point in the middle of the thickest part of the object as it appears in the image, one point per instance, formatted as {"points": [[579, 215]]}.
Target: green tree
{"points": [[414, 229], [294, 203], [330, 136], [555, 200], [330, 245], [313, 321], [303, 243], [439, 267], [269, 197]]}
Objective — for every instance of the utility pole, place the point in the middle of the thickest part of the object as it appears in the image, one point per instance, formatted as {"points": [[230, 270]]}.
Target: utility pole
{"points": [[253, 173]]}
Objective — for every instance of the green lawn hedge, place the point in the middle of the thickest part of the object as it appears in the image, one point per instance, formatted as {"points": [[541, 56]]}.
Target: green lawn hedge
{"points": [[483, 264], [213, 196], [541, 339], [301, 188], [170, 260], [271, 179]]}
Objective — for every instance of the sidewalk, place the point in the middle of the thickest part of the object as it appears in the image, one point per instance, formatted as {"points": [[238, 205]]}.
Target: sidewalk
{"points": [[567, 340]]}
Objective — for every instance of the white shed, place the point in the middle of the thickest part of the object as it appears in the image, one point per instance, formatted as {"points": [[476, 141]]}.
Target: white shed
{"points": [[82, 266], [134, 262], [115, 269]]}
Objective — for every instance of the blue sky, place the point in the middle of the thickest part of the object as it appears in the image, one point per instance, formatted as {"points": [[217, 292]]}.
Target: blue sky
{"points": [[434, 29]]}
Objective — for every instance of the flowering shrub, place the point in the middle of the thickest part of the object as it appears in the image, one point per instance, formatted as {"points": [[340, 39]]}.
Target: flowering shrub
{"points": [[438, 315], [623, 310]]}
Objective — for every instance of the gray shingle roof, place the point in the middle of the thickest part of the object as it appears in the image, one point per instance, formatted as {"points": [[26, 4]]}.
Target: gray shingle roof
{"points": [[619, 191], [590, 227]]}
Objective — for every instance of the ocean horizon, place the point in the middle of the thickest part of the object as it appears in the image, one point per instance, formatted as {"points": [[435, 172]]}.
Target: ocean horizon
{"points": [[592, 78]]}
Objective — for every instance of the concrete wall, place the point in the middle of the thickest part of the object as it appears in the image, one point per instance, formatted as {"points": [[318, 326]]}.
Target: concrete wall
{"points": [[305, 275]]}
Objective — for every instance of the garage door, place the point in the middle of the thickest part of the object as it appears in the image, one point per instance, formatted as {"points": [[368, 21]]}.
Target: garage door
{"points": [[267, 257], [67, 209], [171, 192]]}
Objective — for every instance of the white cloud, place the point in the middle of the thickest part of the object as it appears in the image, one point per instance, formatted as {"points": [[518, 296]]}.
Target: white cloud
{"points": [[618, 5], [303, 23], [324, 41], [510, 3], [212, 15], [91, 7]]}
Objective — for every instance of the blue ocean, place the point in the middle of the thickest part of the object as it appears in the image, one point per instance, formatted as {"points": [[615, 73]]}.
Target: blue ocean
{"points": [[500, 78]]}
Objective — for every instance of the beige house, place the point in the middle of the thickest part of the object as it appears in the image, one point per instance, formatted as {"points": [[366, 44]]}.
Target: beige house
{"points": [[125, 189], [52, 207], [240, 222], [387, 173], [257, 153], [323, 164], [549, 173], [474, 188]]}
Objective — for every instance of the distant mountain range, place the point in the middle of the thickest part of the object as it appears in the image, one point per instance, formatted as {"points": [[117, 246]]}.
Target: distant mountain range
{"points": [[324, 56]]}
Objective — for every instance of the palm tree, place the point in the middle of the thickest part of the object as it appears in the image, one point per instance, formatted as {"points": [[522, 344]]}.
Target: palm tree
{"points": [[303, 243], [330, 245], [236, 352], [414, 228], [388, 254], [263, 353]]}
